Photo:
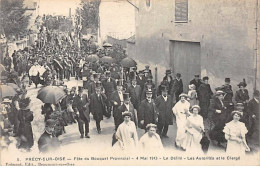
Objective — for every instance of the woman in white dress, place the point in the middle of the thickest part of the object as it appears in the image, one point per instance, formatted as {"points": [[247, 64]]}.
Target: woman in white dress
{"points": [[194, 131], [181, 112], [151, 142], [235, 132], [126, 133]]}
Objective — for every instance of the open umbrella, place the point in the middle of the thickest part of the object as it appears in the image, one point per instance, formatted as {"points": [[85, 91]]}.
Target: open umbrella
{"points": [[107, 59], [51, 94], [107, 45], [92, 58], [6, 91], [128, 62]]}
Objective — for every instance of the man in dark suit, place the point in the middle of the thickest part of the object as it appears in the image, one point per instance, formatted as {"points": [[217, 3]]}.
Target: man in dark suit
{"points": [[98, 102], [253, 111], [196, 81], [204, 96], [147, 111], [140, 79], [117, 100], [177, 87], [134, 91], [164, 105], [81, 107], [109, 85], [149, 85], [92, 85], [128, 106]]}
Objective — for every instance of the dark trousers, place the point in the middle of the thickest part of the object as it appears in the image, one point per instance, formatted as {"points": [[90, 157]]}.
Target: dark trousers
{"points": [[98, 125], [163, 129], [204, 109], [81, 128]]}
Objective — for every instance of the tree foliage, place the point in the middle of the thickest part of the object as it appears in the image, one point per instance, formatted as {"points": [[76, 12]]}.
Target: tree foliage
{"points": [[13, 18], [88, 15]]}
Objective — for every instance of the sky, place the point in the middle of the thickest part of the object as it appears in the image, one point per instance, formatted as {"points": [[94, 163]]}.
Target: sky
{"points": [[57, 7]]}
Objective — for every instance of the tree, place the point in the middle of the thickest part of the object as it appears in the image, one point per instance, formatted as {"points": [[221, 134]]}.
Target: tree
{"points": [[88, 15], [13, 19]]}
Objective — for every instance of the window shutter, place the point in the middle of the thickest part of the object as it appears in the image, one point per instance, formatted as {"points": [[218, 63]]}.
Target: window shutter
{"points": [[181, 10]]}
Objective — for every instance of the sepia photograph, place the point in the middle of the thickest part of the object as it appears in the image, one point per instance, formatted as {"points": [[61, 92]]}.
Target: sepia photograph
{"points": [[129, 82]]}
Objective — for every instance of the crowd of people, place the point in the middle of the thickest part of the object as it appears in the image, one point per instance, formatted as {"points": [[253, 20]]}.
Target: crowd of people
{"points": [[130, 97]]}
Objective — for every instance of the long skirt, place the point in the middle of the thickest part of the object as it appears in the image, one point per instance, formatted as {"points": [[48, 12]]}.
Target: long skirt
{"points": [[193, 141], [181, 132], [235, 148]]}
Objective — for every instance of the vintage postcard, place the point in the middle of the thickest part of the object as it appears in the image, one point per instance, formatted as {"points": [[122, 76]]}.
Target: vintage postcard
{"points": [[129, 82]]}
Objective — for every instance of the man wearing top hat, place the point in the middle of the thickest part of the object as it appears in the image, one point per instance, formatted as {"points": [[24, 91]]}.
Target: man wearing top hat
{"points": [[109, 85], [177, 87], [140, 79], [117, 100], [147, 111], [127, 106], [47, 142], [98, 103], [134, 91], [81, 107], [148, 70], [204, 95], [164, 105], [196, 81]]}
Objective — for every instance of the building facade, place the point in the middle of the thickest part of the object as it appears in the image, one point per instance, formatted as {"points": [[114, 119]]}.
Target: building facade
{"points": [[215, 38]]}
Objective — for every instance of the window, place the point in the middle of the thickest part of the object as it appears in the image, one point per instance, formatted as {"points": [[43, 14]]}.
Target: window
{"points": [[181, 10], [148, 3]]}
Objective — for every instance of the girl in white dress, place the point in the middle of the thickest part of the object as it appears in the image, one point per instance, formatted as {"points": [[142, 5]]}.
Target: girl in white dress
{"points": [[181, 112], [194, 131], [235, 132]]}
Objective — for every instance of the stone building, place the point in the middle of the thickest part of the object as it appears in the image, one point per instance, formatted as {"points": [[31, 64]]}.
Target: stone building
{"points": [[215, 38]]}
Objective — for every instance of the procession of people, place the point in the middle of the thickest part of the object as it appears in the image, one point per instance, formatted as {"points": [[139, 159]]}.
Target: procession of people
{"points": [[118, 90]]}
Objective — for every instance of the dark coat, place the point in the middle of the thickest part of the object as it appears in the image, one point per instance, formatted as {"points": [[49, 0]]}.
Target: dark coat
{"points": [[82, 105], [109, 86], [98, 106], [253, 109], [135, 95], [196, 83], [204, 93], [177, 87], [218, 117], [123, 108], [241, 96], [91, 88], [115, 98], [147, 112], [25, 128], [164, 108], [48, 143], [141, 82]]}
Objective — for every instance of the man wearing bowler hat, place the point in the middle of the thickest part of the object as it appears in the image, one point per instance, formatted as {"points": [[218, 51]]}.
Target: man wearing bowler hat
{"points": [[227, 89], [204, 95], [141, 79], [134, 91], [81, 107], [98, 103], [117, 100], [147, 111]]}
